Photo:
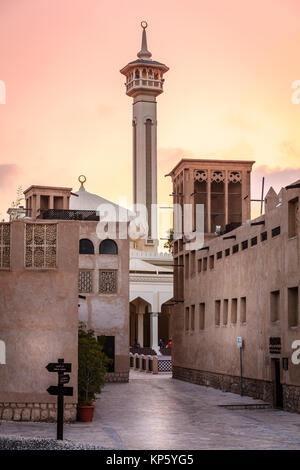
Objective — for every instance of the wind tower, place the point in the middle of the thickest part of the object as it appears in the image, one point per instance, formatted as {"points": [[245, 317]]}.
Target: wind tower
{"points": [[144, 82]]}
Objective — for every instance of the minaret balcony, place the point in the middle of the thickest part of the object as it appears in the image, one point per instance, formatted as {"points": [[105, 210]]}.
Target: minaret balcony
{"points": [[145, 83]]}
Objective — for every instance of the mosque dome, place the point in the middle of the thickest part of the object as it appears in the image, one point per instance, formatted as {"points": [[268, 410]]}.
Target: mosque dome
{"points": [[83, 200]]}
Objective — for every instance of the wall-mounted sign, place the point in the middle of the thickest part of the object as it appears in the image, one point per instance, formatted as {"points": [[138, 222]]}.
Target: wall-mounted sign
{"points": [[275, 345], [2, 352]]}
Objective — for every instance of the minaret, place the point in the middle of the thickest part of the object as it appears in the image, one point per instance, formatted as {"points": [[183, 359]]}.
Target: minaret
{"points": [[144, 82]]}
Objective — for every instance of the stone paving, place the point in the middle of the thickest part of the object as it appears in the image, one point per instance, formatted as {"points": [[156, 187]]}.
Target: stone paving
{"points": [[158, 412]]}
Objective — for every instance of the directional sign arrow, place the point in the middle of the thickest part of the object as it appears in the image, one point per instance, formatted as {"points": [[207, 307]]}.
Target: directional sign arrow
{"points": [[66, 391], [59, 367], [64, 379]]}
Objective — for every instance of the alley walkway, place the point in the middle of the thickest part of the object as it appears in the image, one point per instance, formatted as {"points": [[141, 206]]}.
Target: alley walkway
{"points": [[157, 412]]}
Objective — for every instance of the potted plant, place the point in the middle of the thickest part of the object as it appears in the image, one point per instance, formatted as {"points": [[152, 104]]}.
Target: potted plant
{"points": [[92, 367]]}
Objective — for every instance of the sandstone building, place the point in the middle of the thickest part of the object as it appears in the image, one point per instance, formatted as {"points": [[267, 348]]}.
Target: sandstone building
{"points": [[38, 315], [243, 283], [55, 270]]}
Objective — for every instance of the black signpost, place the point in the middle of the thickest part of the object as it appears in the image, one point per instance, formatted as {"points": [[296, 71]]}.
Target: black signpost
{"points": [[60, 367]]}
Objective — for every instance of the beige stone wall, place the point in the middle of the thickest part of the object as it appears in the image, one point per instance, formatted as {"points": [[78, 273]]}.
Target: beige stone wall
{"points": [[108, 314], [38, 322], [252, 273], [36, 412]]}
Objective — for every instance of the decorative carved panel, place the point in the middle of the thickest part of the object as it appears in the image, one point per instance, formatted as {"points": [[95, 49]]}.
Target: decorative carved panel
{"points": [[218, 176], [108, 281], [40, 245], [235, 177], [200, 175], [85, 283], [5, 246]]}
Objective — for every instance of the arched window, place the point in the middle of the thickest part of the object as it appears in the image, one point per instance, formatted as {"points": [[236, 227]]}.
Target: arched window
{"points": [[86, 247], [137, 73], [108, 247]]}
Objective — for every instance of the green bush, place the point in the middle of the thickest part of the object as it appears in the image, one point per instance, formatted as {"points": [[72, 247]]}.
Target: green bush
{"points": [[92, 366]]}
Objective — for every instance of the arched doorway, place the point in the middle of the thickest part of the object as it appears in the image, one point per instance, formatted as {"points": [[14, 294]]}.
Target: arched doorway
{"points": [[164, 321], [139, 330]]}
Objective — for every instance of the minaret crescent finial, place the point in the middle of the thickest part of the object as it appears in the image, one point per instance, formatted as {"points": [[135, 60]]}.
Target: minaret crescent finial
{"points": [[82, 180], [144, 53]]}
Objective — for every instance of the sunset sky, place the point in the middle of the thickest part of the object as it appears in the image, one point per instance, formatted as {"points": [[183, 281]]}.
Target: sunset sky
{"points": [[227, 94]]}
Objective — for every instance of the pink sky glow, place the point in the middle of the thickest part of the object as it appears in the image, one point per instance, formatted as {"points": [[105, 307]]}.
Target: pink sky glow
{"points": [[227, 94]]}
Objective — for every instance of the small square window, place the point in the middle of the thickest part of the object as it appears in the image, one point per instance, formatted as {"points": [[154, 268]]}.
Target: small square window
{"points": [[276, 231], [245, 245], [264, 236], [253, 241]]}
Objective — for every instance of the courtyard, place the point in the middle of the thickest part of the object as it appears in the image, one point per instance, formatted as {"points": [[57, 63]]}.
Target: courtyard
{"points": [[158, 412]]}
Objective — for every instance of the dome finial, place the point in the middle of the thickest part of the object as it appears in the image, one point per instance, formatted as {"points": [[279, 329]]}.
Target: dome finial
{"points": [[144, 53], [82, 180]]}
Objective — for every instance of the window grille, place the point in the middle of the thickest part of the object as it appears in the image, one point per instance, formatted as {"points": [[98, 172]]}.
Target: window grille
{"points": [[40, 245], [107, 281], [4, 245], [85, 283]]}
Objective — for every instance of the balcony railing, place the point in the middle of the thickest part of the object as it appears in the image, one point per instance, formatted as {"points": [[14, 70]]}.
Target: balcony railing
{"points": [[62, 214], [145, 83], [151, 364]]}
